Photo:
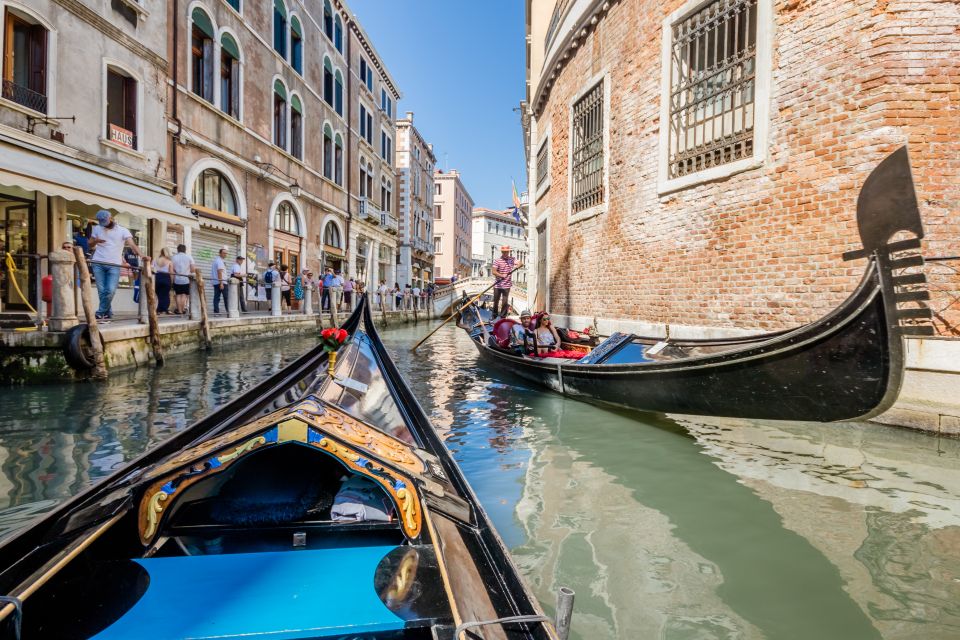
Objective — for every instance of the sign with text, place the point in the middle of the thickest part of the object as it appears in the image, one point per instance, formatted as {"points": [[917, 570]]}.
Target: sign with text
{"points": [[121, 136]]}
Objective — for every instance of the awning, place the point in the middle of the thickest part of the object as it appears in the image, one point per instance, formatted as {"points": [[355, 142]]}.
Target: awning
{"points": [[36, 169]]}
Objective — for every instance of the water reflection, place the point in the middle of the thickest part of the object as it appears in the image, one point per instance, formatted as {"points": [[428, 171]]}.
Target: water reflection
{"points": [[704, 529], [56, 440]]}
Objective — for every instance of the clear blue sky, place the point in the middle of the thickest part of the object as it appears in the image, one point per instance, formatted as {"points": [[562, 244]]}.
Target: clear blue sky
{"points": [[460, 67]]}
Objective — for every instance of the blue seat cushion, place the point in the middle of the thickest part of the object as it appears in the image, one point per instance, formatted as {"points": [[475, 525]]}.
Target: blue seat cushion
{"points": [[266, 596]]}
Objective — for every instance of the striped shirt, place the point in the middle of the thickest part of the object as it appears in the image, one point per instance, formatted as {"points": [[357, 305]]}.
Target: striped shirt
{"points": [[504, 265]]}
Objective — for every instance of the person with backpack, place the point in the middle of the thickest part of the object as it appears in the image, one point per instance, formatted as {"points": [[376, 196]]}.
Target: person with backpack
{"points": [[286, 283]]}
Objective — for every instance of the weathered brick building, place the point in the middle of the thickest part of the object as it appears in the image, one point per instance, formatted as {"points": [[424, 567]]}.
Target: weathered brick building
{"points": [[697, 163]]}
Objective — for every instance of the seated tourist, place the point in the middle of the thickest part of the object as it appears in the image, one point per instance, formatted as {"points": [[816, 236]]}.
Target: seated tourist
{"points": [[521, 335], [546, 334]]}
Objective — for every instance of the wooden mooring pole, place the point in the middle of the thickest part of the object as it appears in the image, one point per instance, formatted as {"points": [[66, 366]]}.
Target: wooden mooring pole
{"points": [[86, 297], [148, 285], [204, 321]]}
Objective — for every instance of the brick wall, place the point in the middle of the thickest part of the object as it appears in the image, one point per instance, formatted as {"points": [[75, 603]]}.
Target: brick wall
{"points": [[852, 81]]}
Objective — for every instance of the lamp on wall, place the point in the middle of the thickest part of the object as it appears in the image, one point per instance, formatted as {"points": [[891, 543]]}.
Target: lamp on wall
{"points": [[268, 168]]}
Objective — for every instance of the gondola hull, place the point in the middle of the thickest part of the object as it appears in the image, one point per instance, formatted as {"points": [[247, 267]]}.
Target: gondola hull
{"points": [[848, 365]]}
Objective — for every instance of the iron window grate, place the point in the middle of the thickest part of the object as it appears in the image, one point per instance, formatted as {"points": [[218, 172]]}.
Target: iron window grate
{"points": [[542, 163], [587, 161], [713, 86]]}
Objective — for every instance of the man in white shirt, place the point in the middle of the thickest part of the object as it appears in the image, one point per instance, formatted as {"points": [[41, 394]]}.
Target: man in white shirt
{"points": [[183, 268], [107, 241], [416, 297], [238, 271], [218, 276]]}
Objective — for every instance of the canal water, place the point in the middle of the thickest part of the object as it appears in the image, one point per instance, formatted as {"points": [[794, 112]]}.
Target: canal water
{"points": [[665, 528]]}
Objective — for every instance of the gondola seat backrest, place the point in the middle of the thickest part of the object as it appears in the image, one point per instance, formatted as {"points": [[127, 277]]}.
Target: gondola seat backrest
{"points": [[501, 331]]}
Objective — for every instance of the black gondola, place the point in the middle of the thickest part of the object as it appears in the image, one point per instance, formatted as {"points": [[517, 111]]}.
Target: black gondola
{"points": [[312, 506], [847, 365]]}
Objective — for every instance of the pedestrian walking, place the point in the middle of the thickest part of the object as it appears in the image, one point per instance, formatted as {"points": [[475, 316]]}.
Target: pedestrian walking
{"points": [[503, 268], [239, 271], [336, 295], [163, 282], [286, 283], [383, 292], [107, 241], [271, 278], [415, 293], [218, 276], [348, 287], [328, 279], [183, 268], [298, 287], [398, 295]]}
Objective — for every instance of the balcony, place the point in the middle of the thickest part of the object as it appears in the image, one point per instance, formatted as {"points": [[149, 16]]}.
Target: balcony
{"points": [[389, 222], [25, 97], [419, 244], [369, 211]]}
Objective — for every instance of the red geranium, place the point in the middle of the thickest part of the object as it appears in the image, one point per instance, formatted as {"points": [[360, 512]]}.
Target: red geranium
{"points": [[333, 338]]}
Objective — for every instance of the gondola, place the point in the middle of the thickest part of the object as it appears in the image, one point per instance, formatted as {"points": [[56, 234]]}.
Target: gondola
{"points": [[847, 365], [312, 506]]}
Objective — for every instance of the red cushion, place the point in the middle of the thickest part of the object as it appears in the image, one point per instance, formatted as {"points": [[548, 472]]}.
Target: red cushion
{"points": [[501, 331], [573, 355]]}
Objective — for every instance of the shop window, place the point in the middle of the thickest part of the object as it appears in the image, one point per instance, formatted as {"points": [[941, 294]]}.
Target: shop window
{"points": [[296, 128], [327, 20], [121, 108], [230, 76], [338, 33], [338, 160], [286, 219], [213, 191], [279, 115], [201, 55], [280, 28], [338, 93], [327, 152], [327, 81], [296, 45], [25, 62]]}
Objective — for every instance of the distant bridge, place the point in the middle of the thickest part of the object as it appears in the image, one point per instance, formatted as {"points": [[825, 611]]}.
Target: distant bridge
{"points": [[444, 297]]}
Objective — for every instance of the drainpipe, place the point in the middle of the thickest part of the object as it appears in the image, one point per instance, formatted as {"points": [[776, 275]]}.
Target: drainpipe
{"points": [[346, 242], [174, 174]]}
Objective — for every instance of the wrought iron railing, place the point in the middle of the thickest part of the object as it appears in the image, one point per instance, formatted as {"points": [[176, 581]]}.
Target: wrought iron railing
{"points": [[389, 222], [542, 159], [24, 96], [587, 161]]}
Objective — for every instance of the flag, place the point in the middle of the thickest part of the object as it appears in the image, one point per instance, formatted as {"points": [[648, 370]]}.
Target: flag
{"points": [[516, 202]]}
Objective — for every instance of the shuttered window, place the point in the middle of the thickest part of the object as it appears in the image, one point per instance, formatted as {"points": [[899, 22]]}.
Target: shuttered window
{"points": [[121, 108], [201, 55], [25, 62], [229, 77]]}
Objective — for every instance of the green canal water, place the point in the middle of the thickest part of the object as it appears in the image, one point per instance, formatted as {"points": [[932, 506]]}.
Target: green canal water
{"points": [[680, 528]]}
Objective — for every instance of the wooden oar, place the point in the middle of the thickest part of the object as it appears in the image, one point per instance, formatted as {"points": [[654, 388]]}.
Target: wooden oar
{"points": [[454, 314]]}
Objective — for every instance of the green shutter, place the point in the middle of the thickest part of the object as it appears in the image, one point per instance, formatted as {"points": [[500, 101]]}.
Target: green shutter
{"points": [[279, 6], [295, 27], [202, 20], [279, 89], [230, 46], [295, 104]]}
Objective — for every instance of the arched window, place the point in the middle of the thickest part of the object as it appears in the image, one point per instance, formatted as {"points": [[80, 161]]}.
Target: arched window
{"points": [[229, 76], [338, 160], [201, 54], [327, 19], [327, 81], [286, 219], [369, 180], [363, 178], [280, 28], [213, 191], [296, 128], [331, 236], [386, 195], [338, 92], [338, 33], [327, 152], [279, 115], [296, 45], [25, 60]]}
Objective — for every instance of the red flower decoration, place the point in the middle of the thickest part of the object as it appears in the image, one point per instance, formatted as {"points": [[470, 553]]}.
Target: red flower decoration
{"points": [[332, 339], [342, 336]]}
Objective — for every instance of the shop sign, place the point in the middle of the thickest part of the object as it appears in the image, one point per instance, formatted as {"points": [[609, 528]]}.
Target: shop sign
{"points": [[121, 136]]}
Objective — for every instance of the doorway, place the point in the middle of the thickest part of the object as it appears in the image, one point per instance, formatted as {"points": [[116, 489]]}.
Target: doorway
{"points": [[18, 235]]}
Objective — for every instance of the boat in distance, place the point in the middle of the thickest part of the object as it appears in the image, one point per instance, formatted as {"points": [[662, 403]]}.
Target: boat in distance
{"points": [[316, 504], [847, 365]]}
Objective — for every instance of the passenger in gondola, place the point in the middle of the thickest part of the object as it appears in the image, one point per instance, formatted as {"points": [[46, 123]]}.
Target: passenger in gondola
{"points": [[522, 338], [547, 337]]}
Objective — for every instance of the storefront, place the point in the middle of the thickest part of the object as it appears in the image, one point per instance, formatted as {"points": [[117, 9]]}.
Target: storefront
{"points": [[333, 256], [18, 236], [215, 203]]}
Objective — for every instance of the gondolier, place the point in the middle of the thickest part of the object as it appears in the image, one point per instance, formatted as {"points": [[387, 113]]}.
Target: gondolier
{"points": [[503, 268]]}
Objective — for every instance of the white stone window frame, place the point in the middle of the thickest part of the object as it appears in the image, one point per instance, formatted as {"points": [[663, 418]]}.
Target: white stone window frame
{"points": [[546, 139], [219, 32], [544, 219], [52, 58], [104, 130], [279, 199], [589, 84], [762, 92]]}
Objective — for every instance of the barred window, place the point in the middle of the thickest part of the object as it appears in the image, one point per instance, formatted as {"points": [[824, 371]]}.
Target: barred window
{"points": [[587, 161], [542, 159], [712, 86]]}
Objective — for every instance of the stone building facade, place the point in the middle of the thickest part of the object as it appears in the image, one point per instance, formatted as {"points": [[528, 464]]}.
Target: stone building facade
{"points": [[697, 163], [452, 207], [415, 161], [82, 128], [282, 134]]}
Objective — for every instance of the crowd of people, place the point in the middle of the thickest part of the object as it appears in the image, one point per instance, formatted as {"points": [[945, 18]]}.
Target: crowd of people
{"points": [[111, 248]]}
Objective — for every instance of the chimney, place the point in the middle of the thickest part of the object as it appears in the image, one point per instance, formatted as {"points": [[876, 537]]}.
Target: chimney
{"points": [[410, 116]]}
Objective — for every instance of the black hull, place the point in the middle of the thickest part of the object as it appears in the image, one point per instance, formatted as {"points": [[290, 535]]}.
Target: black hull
{"points": [[846, 366]]}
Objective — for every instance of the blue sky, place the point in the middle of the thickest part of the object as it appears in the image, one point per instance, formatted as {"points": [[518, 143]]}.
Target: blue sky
{"points": [[460, 68]]}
